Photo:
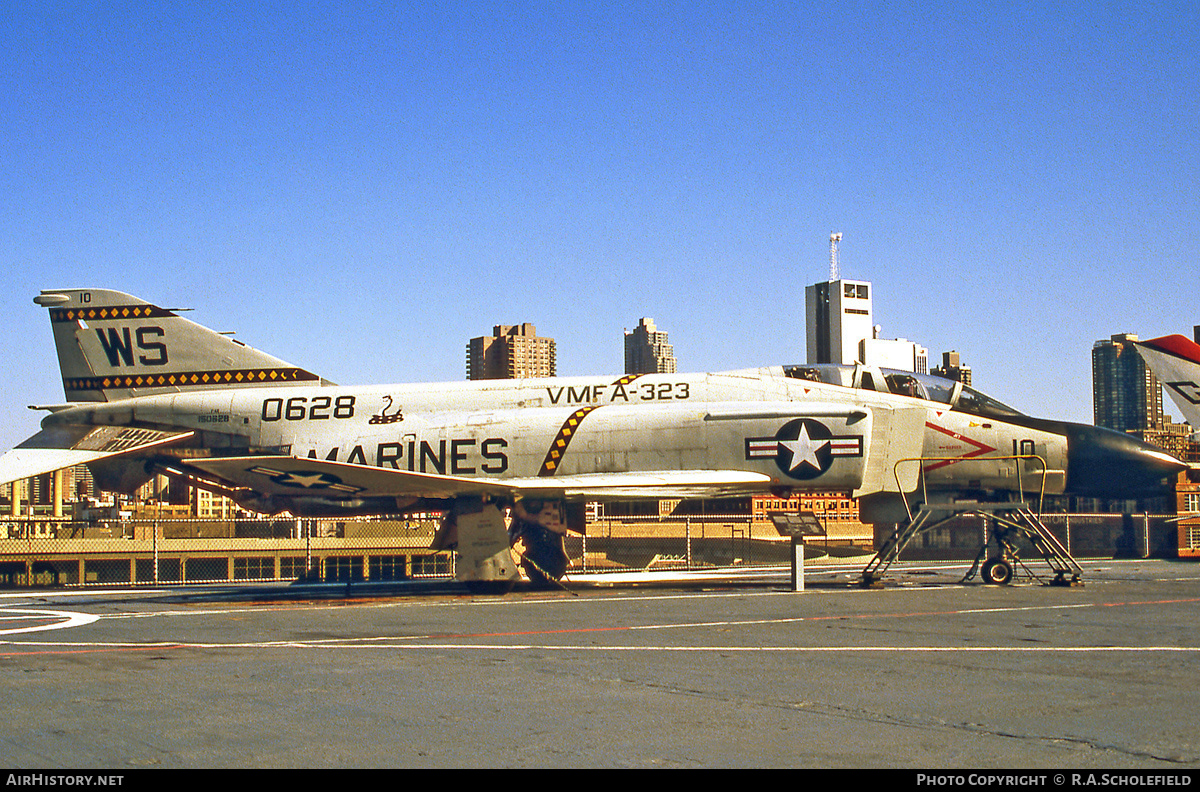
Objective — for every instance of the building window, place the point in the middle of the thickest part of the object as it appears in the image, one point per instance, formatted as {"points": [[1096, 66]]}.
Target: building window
{"points": [[253, 568], [292, 567]]}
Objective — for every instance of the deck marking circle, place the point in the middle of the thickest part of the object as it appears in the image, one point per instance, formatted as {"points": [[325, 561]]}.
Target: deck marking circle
{"points": [[64, 619]]}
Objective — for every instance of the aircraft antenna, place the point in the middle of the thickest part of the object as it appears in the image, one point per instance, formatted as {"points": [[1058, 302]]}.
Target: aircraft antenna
{"points": [[834, 238]]}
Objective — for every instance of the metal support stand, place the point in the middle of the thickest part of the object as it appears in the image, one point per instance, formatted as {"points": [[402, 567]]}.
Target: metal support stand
{"points": [[1011, 520]]}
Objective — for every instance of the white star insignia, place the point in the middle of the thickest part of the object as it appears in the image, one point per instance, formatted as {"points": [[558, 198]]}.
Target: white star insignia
{"points": [[306, 480], [804, 450]]}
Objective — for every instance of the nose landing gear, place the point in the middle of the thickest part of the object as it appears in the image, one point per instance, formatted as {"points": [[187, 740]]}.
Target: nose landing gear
{"points": [[997, 572]]}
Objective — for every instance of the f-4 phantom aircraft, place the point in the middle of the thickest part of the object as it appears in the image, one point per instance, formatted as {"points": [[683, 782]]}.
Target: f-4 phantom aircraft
{"points": [[150, 392], [1175, 360]]}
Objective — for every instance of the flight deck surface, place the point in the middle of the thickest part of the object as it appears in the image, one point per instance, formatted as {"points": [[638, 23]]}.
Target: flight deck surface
{"points": [[689, 672]]}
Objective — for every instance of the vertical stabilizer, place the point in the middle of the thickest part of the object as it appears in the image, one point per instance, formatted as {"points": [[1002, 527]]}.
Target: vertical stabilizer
{"points": [[1175, 360], [113, 346]]}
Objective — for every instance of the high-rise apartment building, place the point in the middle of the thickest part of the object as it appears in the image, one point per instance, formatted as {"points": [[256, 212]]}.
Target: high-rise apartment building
{"points": [[647, 350], [511, 352], [1126, 396], [73, 484]]}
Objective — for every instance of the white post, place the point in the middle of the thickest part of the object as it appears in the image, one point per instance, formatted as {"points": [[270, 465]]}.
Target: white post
{"points": [[797, 564]]}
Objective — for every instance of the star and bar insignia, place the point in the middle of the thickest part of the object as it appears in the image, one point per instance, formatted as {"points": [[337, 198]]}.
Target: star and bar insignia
{"points": [[804, 448], [306, 479]]}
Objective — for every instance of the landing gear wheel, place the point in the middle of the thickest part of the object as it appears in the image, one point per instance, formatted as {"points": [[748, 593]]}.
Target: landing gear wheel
{"points": [[997, 572]]}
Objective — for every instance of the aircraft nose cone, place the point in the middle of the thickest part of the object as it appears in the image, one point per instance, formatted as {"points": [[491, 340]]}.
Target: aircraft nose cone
{"points": [[1104, 463]]}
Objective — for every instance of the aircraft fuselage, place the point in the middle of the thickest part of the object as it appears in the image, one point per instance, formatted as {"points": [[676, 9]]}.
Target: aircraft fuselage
{"points": [[798, 434]]}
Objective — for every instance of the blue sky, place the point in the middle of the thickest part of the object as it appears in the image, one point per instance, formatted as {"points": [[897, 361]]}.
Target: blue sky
{"points": [[359, 188]]}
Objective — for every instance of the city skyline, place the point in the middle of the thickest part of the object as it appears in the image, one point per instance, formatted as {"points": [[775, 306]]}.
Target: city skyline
{"points": [[353, 190]]}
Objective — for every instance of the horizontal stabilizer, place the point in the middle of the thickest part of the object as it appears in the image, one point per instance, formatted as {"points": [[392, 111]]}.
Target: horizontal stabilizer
{"points": [[290, 476], [66, 446]]}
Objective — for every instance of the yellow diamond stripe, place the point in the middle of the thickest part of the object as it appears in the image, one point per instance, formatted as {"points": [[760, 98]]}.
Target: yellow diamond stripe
{"points": [[186, 378], [559, 446]]}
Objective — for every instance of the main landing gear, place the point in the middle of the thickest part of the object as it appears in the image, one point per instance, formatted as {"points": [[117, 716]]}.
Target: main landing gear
{"points": [[492, 552], [536, 536]]}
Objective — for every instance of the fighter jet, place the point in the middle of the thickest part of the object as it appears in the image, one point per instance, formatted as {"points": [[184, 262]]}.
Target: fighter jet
{"points": [[1175, 360], [512, 462]]}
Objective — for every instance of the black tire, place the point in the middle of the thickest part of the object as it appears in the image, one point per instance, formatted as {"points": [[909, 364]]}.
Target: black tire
{"points": [[997, 572]]}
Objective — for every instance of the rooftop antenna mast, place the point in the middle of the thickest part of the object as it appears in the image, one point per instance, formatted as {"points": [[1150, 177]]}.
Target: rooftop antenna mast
{"points": [[834, 238]]}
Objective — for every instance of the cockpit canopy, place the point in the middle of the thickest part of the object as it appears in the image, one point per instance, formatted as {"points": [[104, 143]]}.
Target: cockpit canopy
{"points": [[905, 383]]}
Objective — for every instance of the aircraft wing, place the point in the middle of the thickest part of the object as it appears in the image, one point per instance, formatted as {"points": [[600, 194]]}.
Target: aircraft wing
{"points": [[66, 446], [285, 475]]}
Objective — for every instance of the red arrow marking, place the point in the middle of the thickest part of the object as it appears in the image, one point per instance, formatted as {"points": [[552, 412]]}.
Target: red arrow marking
{"points": [[980, 448]]}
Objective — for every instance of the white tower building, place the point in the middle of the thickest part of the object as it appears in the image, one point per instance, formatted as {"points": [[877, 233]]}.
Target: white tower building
{"points": [[839, 319], [841, 328]]}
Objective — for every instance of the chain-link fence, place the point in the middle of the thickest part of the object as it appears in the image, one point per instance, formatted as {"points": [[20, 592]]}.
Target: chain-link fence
{"points": [[1083, 536], [47, 551], [697, 542]]}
